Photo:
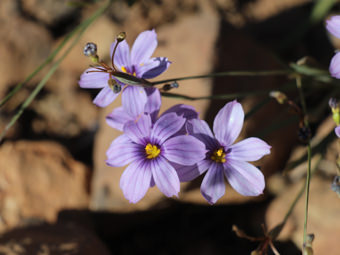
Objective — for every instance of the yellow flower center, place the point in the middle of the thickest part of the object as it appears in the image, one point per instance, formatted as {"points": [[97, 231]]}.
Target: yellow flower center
{"points": [[218, 156], [125, 71], [152, 151]]}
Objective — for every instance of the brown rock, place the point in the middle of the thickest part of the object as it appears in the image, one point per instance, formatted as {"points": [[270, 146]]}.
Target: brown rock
{"points": [[51, 239], [37, 179], [48, 11], [23, 47]]}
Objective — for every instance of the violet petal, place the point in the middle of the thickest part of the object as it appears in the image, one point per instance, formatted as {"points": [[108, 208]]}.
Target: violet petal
{"points": [[213, 186], [166, 126], [139, 130], [188, 173], [249, 149], [133, 100], [245, 178], [153, 68], [200, 129], [153, 103], [165, 176], [337, 131], [93, 80], [228, 123], [143, 47], [117, 118], [122, 151], [135, 180], [334, 66], [184, 149], [105, 97], [122, 55], [333, 25]]}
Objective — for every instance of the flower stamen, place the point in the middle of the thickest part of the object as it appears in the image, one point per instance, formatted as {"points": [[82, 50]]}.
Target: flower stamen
{"points": [[152, 151], [219, 156]]}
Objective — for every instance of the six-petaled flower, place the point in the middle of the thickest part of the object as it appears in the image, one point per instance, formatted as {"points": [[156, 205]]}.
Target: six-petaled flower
{"points": [[149, 149], [225, 158]]}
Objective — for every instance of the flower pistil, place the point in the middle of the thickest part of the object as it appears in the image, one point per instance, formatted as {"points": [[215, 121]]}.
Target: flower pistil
{"points": [[219, 156], [152, 151]]}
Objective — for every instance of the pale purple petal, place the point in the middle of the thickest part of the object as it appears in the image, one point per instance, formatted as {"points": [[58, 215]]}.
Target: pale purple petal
{"points": [[201, 130], [105, 97], [135, 180], [117, 118], [153, 68], [133, 100], [165, 127], [93, 80], [333, 26], [152, 183], [188, 173], [122, 151], [139, 130], [245, 178], [143, 47], [184, 110], [184, 149], [213, 186], [165, 176], [228, 123], [249, 149], [122, 55], [154, 102], [334, 66], [337, 131]]}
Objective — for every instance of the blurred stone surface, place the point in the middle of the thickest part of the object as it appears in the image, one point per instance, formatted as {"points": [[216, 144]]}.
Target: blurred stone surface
{"points": [[24, 45], [50, 12], [51, 239], [323, 215], [37, 179]]}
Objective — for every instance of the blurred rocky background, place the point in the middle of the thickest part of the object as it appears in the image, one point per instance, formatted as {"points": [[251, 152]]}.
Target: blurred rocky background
{"points": [[57, 196]]}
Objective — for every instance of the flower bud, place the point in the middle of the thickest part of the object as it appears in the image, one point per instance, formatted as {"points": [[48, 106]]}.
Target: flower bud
{"points": [[333, 25], [307, 247], [90, 50], [336, 185], [334, 66], [333, 104], [280, 97], [174, 85], [121, 36], [114, 85]]}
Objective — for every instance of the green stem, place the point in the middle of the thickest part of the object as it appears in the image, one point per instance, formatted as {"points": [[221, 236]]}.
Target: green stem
{"points": [[309, 155], [230, 73], [307, 192], [276, 230], [55, 66]]}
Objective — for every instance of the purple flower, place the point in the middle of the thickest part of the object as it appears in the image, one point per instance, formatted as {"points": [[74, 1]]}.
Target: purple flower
{"points": [[334, 66], [225, 158], [118, 117], [138, 64], [149, 149], [337, 131], [333, 26]]}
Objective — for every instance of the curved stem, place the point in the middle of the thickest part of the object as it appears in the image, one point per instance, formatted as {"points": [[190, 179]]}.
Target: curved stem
{"points": [[309, 149], [229, 73], [309, 156]]}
